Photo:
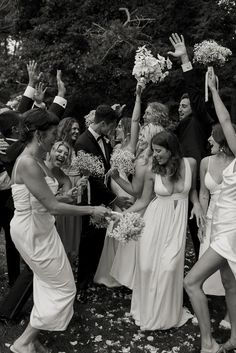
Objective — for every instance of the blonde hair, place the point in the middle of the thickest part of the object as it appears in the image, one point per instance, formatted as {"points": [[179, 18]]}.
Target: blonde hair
{"points": [[57, 145], [148, 131], [161, 113]]}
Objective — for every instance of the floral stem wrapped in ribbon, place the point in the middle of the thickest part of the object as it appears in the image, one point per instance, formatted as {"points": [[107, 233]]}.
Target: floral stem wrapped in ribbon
{"points": [[147, 68], [209, 53], [89, 165]]}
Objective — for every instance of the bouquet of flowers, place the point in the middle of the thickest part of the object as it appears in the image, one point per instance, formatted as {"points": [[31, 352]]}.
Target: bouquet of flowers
{"points": [[89, 118], [88, 164], [210, 53], [122, 227], [128, 227], [147, 68], [228, 4], [123, 161]]}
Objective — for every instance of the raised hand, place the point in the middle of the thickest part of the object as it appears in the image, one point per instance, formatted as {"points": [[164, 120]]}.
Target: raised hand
{"points": [[211, 79], [39, 93], [118, 109], [179, 46], [34, 77], [60, 85]]}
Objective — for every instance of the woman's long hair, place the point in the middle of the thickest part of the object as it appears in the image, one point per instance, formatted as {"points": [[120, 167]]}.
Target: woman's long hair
{"points": [[170, 142], [64, 130]]}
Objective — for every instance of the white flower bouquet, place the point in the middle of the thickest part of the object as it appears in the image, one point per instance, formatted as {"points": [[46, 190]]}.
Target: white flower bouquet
{"points": [[209, 53], [147, 68], [89, 165], [123, 161], [129, 226], [89, 118]]}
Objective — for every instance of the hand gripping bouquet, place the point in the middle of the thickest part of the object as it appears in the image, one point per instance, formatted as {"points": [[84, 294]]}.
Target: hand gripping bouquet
{"points": [[147, 68], [122, 227], [209, 53], [87, 164]]}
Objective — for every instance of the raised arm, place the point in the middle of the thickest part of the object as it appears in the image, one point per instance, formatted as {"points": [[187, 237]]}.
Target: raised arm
{"points": [[196, 97], [135, 120], [59, 103], [222, 113]]}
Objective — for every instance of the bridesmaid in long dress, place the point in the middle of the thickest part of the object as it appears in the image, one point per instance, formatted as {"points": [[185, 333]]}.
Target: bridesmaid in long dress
{"points": [[34, 234], [69, 227], [157, 299], [222, 251]]}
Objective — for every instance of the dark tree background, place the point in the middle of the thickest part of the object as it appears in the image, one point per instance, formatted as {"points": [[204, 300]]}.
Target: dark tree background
{"points": [[94, 43]]}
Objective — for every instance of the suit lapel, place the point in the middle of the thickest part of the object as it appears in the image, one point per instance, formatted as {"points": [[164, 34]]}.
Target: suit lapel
{"points": [[98, 151]]}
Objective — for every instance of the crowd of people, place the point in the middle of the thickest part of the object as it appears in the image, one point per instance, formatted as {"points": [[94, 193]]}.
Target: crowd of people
{"points": [[178, 184]]}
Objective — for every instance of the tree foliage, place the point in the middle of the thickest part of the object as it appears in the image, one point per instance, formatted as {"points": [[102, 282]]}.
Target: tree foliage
{"points": [[94, 43]]}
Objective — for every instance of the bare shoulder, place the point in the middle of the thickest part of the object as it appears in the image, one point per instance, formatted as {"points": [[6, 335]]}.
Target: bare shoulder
{"points": [[205, 161]]}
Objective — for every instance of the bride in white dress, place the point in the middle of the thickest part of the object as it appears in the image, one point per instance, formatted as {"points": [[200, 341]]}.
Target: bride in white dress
{"points": [[34, 234], [157, 299]]}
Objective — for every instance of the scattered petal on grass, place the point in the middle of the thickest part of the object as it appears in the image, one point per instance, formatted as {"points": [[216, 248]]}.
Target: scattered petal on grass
{"points": [[98, 338], [150, 338], [74, 343]]}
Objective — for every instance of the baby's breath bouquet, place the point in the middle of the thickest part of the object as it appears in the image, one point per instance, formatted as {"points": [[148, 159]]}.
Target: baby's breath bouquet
{"points": [[209, 53], [147, 68], [89, 118], [123, 161], [129, 226], [88, 164]]}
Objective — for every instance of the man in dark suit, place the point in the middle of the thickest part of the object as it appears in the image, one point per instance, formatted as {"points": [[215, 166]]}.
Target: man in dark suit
{"points": [[94, 141], [195, 123]]}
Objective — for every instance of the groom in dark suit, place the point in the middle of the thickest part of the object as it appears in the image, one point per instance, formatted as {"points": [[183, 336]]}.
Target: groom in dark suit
{"points": [[94, 141]]}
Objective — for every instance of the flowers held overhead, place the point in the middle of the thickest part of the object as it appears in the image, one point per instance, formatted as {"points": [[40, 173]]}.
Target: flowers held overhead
{"points": [[88, 164], [210, 53], [147, 68], [123, 161]]}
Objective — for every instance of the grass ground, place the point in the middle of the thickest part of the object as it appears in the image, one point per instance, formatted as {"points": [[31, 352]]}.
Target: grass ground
{"points": [[104, 325]]}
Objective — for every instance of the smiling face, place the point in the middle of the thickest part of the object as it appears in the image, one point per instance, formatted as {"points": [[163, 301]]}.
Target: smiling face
{"points": [[161, 154], [74, 131], [59, 155], [184, 108], [215, 147]]}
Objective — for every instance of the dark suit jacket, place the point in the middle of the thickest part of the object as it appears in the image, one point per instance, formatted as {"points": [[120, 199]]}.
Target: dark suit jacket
{"points": [[100, 193], [194, 130], [27, 104]]}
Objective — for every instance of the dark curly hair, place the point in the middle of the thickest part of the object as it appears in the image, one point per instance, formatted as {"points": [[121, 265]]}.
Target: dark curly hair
{"points": [[170, 142]]}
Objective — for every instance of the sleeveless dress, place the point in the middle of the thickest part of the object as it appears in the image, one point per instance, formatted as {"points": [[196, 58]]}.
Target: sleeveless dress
{"points": [[70, 227], [112, 250], [213, 285], [223, 236], [157, 297], [35, 237]]}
